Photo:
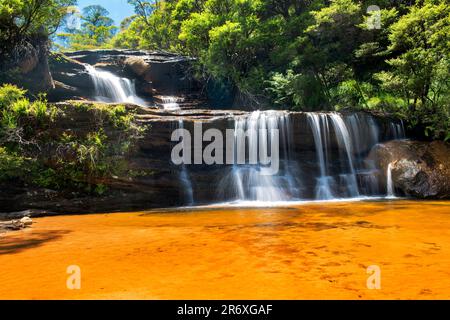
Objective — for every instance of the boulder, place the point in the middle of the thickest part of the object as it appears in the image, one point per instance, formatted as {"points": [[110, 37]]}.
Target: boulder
{"points": [[26, 221], [14, 225], [137, 65], [419, 169]]}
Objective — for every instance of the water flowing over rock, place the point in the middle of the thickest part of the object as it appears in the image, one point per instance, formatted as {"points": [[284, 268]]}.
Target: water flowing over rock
{"points": [[248, 179], [389, 183], [113, 89], [321, 157], [157, 73], [185, 179], [125, 76], [312, 146]]}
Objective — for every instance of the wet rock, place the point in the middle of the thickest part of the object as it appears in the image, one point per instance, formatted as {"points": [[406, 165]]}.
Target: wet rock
{"points": [[26, 221], [155, 73], [155, 181], [137, 65], [23, 214], [419, 169], [23, 223]]}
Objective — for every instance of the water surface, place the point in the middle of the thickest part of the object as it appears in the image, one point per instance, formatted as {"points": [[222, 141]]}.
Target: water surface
{"points": [[308, 251]]}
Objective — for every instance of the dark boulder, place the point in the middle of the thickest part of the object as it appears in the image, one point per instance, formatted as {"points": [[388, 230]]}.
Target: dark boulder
{"points": [[419, 169]]}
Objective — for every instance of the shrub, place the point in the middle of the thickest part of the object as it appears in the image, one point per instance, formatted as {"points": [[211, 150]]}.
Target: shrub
{"points": [[78, 160]]}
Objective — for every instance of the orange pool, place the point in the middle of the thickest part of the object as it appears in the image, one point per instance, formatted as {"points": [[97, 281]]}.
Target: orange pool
{"points": [[313, 251]]}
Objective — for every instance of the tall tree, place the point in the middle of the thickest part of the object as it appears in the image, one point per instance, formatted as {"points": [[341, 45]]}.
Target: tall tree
{"points": [[96, 30]]}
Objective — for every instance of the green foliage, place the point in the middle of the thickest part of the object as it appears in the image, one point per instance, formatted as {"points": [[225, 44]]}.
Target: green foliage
{"points": [[35, 152], [312, 55], [96, 31], [25, 27], [11, 165], [9, 94], [296, 54]]}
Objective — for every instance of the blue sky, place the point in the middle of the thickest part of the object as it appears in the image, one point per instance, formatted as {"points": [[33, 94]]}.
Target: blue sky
{"points": [[118, 9]]}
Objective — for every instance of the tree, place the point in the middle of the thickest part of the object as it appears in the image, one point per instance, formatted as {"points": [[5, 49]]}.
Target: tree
{"points": [[420, 73], [311, 54], [143, 8], [23, 21], [96, 16], [97, 29]]}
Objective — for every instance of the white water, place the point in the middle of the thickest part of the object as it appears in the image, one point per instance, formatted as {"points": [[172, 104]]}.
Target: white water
{"points": [[390, 185], [317, 122], [185, 179], [321, 130], [397, 131], [113, 89], [341, 145], [171, 103], [345, 142], [246, 182]]}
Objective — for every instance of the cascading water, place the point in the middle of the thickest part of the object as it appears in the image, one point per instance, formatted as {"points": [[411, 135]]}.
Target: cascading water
{"points": [[185, 179], [397, 130], [171, 103], [346, 181], [112, 89], [390, 184], [344, 173], [248, 181], [320, 129], [347, 177], [323, 156]]}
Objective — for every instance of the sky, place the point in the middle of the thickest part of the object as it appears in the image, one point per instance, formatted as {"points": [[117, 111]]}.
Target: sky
{"points": [[118, 9]]}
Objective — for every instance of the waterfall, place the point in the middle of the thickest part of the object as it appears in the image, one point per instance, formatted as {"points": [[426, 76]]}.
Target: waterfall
{"points": [[320, 129], [322, 156], [171, 103], [390, 185], [343, 137], [347, 177], [112, 89], [346, 173], [248, 181], [185, 178], [397, 130]]}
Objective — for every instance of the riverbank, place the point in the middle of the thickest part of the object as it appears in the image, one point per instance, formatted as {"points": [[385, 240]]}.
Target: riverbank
{"points": [[310, 251]]}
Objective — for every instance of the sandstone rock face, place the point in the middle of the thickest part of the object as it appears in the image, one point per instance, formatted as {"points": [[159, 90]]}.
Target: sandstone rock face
{"points": [[137, 65], [31, 61], [71, 79], [154, 73], [419, 169], [157, 182]]}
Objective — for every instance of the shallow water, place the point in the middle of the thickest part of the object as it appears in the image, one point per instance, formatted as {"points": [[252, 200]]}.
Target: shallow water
{"points": [[297, 251]]}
